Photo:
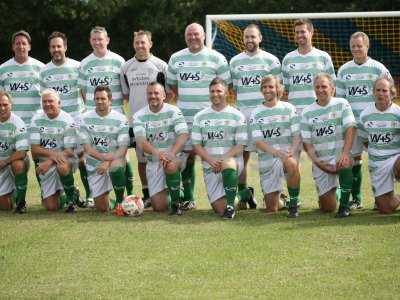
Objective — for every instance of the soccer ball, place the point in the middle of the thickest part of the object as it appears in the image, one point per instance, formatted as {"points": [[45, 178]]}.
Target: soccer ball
{"points": [[132, 206]]}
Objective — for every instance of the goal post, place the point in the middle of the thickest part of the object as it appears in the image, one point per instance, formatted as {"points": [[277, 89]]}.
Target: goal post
{"points": [[331, 33]]}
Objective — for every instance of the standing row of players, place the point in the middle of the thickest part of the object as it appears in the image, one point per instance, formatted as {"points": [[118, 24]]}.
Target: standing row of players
{"points": [[188, 75]]}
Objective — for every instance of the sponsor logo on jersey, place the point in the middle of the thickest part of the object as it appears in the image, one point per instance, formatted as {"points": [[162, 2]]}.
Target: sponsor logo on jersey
{"points": [[269, 133], [4, 146], [190, 76], [102, 141], [215, 135], [157, 137], [356, 91], [250, 68], [251, 80], [96, 81], [381, 138], [20, 86], [48, 143], [63, 89], [302, 79], [325, 131]]}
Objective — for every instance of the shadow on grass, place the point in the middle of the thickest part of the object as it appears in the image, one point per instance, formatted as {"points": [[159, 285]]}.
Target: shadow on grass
{"points": [[307, 218]]}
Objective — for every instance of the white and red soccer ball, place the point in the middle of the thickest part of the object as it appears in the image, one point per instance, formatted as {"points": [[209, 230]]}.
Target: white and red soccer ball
{"points": [[132, 206]]}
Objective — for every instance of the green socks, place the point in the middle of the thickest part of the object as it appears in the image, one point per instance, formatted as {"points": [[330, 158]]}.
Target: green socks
{"points": [[356, 186], [145, 191], [118, 181], [293, 196], [243, 191], [188, 178], [230, 181], [346, 182], [129, 178], [69, 187], [174, 186], [21, 183], [84, 178]]}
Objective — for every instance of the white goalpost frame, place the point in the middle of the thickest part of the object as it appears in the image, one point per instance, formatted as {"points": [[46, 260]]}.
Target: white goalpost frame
{"points": [[344, 15]]}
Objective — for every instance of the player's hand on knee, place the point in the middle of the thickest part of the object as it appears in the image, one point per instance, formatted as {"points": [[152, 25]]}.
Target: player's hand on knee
{"points": [[43, 167], [3, 164], [103, 168], [327, 168], [344, 162]]}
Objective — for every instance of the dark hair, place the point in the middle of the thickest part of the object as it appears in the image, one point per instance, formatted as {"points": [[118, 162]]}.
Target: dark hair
{"points": [[57, 34], [101, 88]]}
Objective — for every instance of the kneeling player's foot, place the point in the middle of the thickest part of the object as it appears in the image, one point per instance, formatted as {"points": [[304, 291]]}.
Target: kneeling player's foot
{"points": [[21, 208], [293, 212], [188, 205], [355, 205], [229, 213], [119, 211], [242, 205], [146, 202], [176, 210], [343, 212], [70, 208], [252, 200], [78, 200]]}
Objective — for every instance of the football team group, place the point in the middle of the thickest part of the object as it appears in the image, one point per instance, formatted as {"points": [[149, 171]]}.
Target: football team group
{"points": [[68, 115]]}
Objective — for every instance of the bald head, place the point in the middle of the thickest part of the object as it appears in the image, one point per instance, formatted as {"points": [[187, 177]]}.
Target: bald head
{"points": [[194, 37]]}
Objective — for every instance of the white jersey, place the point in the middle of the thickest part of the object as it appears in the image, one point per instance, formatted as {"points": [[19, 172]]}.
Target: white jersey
{"points": [[105, 134], [325, 127], [219, 131], [298, 73], [106, 70], [355, 83], [192, 73], [276, 126], [54, 134], [247, 72], [381, 129], [136, 76], [160, 129], [13, 136], [22, 82], [64, 79]]}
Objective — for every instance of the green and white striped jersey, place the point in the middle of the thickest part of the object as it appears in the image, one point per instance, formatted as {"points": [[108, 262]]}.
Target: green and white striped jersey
{"points": [[192, 73], [22, 82], [160, 129], [299, 71], [275, 126], [54, 134], [136, 76], [106, 70], [105, 134], [325, 127], [247, 72], [13, 136], [381, 129], [355, 83], [219, 131], [64, 80]]}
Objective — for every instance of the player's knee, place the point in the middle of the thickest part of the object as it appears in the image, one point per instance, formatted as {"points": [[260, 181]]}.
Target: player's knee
{"points": [[18, 166], [272, 202], [291, 166], [63, 169], [101, 203], [115, 164], [327, 202], [387, 203], [51, 203], [171, 167], [159, 201], [6, 202], [229, 163]]}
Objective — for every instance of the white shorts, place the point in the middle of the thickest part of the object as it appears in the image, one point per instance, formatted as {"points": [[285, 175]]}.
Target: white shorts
{"points": [[271, 181], [250, 146], [357, 147], [214, 183], [99, 184], [382, 178], [156, 176], [324, 182], [51, 182], [7, 180]]}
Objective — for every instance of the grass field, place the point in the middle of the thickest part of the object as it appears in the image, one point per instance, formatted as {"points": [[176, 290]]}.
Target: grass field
{"points": [[257, 255]]}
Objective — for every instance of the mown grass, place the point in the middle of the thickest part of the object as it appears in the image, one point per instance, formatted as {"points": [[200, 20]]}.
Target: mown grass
{"points": [[257, 255]]}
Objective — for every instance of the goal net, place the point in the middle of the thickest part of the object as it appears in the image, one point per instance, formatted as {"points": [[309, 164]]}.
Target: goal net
{"points": [[331, 34]]}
